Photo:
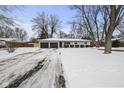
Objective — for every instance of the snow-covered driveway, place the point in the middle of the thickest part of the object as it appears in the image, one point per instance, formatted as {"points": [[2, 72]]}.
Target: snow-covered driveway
{"points": [[37, 68], [89, 67]]}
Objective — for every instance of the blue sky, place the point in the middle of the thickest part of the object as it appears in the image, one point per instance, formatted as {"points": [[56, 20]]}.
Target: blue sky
{"points": [[26, 14]]}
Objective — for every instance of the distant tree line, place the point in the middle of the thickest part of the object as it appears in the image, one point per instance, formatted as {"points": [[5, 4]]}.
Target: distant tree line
{"points": [[7, 32]]}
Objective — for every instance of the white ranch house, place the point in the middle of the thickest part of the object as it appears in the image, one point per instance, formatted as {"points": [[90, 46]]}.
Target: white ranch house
{"points": [[64, 43]]}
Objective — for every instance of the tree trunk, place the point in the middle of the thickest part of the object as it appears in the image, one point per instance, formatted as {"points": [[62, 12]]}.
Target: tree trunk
{"points": [[108, 44], [51, 35], [111, 28], [98, 41], [93, 41]]}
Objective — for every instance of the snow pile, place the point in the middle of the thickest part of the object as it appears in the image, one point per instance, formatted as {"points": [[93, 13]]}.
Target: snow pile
{"points": [[5, 55], [89, 67]]}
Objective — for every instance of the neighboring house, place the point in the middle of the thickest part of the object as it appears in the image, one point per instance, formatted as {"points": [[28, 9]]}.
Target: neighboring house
{"points": [[8, 39], [2, 44], [14, 43], [121, 40], [63, 43], [4, 41]]}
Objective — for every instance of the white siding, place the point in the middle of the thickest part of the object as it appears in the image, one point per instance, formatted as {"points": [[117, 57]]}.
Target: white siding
{"points": [[80, 43], [88, 43]]}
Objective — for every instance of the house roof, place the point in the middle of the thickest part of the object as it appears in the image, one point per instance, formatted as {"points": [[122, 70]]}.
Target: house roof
{"points": [[12, 40], [120, 39], [8, 39], [63, 39]]}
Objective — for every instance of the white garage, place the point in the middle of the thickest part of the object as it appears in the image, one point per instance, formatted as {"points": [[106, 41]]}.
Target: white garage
{"points": [[64, 43]]}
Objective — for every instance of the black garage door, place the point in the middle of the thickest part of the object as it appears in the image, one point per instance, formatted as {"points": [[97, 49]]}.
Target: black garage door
{"points": [[44, 45], [53, 45]]}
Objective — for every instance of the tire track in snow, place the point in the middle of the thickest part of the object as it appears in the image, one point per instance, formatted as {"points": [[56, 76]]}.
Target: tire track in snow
{"points": [[20, 79], [18, 58], [49, 76], [18, 69]]}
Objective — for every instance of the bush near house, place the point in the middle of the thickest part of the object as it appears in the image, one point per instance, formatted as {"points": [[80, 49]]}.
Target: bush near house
{"points": [[66, 46], [76, 46], [81, 46], [71, 46], [115, 43], [87, 45]]}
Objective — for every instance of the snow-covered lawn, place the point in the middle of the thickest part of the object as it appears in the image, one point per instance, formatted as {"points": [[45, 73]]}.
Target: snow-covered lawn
{"points": [[89, 67]]}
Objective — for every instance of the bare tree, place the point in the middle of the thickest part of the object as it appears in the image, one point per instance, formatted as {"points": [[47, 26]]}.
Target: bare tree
{"points": [[54, 24], [46, 25], [115, 14], [20, 33], [40, 24], [62, 34], [73, 28], [121, 28], [82, 33], [6, 32], [5, 15], [95, 12], [5, 21], [78, 30], [101, 19], [86, 17]]}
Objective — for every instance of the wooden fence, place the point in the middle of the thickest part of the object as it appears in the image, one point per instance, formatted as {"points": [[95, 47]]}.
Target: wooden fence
{"points": [[19, 44]]}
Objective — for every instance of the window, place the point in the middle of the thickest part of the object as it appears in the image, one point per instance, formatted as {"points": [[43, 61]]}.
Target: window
{"points": [[75, 43], [85, 42], [76, 46]]}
